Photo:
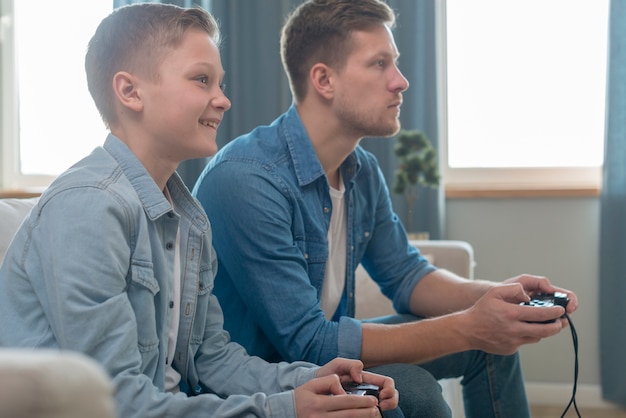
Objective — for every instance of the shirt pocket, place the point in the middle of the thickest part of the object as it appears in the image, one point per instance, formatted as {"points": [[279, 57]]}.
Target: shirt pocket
{"points": [[142, 294], [205, 290], [315, 255]]}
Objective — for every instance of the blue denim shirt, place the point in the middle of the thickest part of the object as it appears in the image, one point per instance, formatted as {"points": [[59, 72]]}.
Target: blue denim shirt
{"points": [[101, 283], [268, 199]]}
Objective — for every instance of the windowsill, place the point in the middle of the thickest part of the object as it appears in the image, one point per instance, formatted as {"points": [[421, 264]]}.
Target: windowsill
{"points": [[22, 194], [505, 193]]}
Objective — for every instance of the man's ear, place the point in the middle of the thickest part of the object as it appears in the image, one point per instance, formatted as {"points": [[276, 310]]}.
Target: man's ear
{"points": [[125, 89], [322, 78]]}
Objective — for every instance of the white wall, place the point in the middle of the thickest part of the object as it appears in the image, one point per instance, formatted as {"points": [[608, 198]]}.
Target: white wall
{"points": [[555, 237]]}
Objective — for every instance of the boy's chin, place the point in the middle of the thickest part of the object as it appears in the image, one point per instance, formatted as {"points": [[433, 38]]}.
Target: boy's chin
{"points": [[208, 149]]}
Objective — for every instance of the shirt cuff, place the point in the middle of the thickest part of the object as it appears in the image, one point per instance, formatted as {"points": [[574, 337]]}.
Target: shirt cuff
{"points": [[349, 338]]}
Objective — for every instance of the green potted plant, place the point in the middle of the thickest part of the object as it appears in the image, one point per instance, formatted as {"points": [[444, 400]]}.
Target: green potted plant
{"points": [[417, 165]]}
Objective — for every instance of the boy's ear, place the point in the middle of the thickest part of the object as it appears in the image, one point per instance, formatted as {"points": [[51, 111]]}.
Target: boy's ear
{"points": [[322, 78], [125, 89]]}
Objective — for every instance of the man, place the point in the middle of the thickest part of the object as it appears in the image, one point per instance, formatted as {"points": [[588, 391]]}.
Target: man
{"points": [[297, 205], [115, 260]]}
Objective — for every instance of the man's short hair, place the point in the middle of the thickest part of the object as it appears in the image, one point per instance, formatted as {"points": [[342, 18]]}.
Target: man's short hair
{"points": [[320, 31]]}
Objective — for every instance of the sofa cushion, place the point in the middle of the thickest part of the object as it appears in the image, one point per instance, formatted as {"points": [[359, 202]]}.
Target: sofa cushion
{"points": [[12, 213], [53, 384]]}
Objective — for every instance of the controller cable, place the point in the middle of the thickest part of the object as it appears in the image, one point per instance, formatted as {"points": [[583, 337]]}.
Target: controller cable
{"points": [[575, 340]]}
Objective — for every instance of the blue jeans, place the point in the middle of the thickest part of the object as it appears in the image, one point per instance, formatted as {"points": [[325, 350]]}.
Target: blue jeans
{"points": [[493, 386], [420, 394]]}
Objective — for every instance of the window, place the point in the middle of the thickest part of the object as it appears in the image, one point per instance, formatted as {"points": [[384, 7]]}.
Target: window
{"points": [[523, 93], [49, 120]]}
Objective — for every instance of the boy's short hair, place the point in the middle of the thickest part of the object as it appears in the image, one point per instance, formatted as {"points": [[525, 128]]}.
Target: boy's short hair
{"points": [[134, 38], [320, 31]]}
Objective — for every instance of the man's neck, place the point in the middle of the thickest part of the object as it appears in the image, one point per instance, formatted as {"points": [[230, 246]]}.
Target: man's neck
{"points": [[330, 142]]}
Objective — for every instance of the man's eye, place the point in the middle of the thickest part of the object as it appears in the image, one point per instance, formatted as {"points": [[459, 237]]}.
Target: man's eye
{"points": [[203, 80]]}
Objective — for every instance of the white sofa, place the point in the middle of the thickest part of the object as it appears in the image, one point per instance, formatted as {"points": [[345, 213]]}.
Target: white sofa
{"points": [[47, 383], [455, 256]]}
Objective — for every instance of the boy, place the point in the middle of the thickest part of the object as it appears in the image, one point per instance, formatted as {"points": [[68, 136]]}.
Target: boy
{"points": [[116, 261]]}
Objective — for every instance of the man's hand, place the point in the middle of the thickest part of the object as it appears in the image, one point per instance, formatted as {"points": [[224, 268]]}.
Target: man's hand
{"points": [[538, 284], [498, 324]]}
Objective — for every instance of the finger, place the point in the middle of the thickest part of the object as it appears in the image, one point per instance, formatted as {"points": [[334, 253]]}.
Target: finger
{"points": [[511, 292], [349, 369], [385, 384], [529, 281], [533, 332], [325, 385], [342, 402], [389, 402], [377, 379], [540, 314], [356, 373]]}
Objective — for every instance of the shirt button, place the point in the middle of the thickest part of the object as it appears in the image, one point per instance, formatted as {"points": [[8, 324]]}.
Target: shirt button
{"points": [[326, 210], [171, 304], [367, 234], [306, 256], [169, 246]]}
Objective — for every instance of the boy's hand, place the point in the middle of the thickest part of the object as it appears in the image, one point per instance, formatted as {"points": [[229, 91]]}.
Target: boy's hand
{"points": [[352, 370], [313, 400]]}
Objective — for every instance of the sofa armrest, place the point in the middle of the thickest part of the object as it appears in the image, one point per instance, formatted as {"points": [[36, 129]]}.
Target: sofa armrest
{"points": [[12, 213], [455, 256], [53, 384]]}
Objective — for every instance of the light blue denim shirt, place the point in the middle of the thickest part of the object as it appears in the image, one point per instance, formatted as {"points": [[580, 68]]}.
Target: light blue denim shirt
{"points": [[268, 199], [101, 283]]}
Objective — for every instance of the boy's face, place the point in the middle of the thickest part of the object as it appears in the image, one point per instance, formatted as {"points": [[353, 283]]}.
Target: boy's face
{"points": [[183, 109], [370, 85]]}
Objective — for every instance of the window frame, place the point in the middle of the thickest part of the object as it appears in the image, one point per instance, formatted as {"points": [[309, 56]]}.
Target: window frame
{"points": [[13, 182], [493, 182], [11, 178]]}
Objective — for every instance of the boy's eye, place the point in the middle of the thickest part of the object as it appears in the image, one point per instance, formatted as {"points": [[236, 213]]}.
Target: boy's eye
{"points": [[223, 86], [203, 79]]}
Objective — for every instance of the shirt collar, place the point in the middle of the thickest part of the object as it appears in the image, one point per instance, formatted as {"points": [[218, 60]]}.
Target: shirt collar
{"points": [[152, 199], [306, 164]]}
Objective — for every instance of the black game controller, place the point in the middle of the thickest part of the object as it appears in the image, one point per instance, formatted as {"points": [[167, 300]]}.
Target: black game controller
{"points": [[547, 300], [360, 389]]}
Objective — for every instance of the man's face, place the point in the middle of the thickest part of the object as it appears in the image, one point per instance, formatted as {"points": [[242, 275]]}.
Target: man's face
{"points": [[369, 91]]}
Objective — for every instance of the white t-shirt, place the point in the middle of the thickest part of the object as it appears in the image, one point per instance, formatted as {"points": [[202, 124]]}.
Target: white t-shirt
{"points": [[335, 274]]}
